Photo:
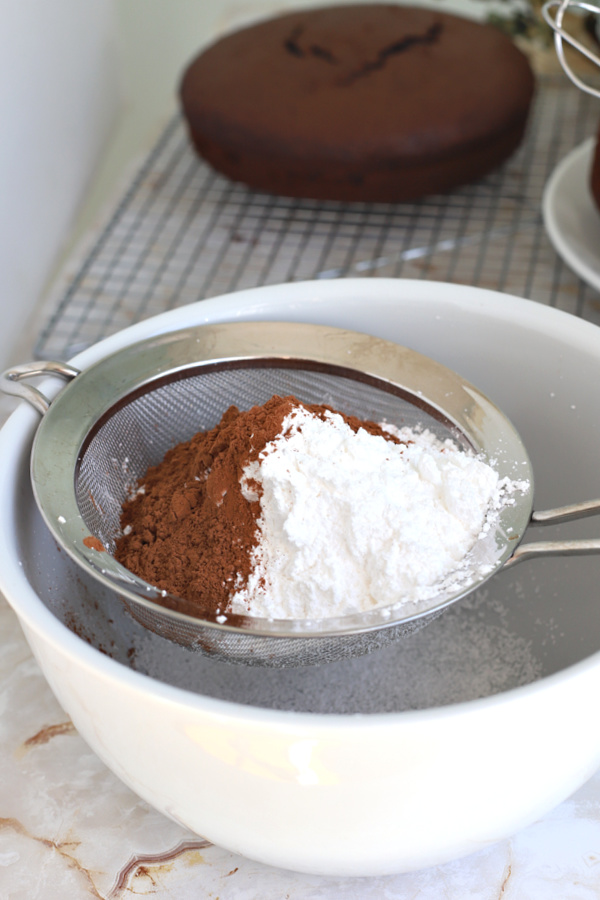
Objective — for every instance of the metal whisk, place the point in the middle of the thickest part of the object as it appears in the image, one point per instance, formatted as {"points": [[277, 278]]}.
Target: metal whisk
{"points": [[555, 21]]}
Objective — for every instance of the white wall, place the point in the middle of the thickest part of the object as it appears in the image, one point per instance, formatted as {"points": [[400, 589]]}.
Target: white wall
{"points": [[85, 87], [58, 99]]}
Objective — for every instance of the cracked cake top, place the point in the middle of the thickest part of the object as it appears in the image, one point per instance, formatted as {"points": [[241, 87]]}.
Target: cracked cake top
{"points": [[357, 96]]}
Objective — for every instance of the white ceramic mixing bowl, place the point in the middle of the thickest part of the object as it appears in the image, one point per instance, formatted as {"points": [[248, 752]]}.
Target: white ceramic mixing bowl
{"points": [[411, 756]]}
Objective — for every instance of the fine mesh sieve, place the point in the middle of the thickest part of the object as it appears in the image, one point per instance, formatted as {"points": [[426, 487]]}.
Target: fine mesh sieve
{"points": [[120, 416]]}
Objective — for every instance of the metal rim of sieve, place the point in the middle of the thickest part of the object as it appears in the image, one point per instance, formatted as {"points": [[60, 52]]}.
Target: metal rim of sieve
{"points": [[94, 396]]}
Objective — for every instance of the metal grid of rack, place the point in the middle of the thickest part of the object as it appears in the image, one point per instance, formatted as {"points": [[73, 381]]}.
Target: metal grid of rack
{"points": [[182, 233]]}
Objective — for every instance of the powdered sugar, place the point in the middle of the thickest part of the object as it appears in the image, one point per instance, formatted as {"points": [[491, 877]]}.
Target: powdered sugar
{"points": [[350, 521]]}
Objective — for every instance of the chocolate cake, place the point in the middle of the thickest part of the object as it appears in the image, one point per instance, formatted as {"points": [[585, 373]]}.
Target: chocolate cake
{"points": [[378, 102]]}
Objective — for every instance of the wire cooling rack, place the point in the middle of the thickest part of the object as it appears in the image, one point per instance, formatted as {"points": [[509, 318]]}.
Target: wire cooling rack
{"points": [[182, 233]]}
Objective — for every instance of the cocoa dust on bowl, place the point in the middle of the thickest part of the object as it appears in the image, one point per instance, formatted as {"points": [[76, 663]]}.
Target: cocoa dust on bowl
{"points": [[297, 511]]}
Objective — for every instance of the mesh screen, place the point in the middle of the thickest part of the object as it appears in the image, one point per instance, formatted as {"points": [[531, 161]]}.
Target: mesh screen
{"points": [[273, 652]]}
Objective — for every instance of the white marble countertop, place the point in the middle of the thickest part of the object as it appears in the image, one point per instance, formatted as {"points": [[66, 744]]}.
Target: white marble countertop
{"points": [[70, 828]]}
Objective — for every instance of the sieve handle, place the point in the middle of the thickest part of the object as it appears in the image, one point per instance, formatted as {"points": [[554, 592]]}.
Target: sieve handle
{"points": [[10, 381], [559, 548]]}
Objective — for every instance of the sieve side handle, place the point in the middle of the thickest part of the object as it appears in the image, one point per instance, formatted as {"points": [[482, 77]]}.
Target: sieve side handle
{"points": [[583, 547], [10, 381], [536, 549]]}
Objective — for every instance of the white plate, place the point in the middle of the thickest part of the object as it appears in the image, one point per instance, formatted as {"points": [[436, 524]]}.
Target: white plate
{"points": [[570, 216]]}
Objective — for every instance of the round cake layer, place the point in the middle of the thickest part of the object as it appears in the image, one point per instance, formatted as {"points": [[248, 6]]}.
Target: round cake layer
{"points": [[362, 102]]}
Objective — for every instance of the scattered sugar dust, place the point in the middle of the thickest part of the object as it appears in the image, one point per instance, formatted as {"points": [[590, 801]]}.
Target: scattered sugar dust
{"points": [[469, 652]]}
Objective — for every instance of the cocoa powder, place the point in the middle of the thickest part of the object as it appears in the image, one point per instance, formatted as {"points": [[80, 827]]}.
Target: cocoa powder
{"points": [[189, 530]]}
